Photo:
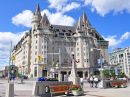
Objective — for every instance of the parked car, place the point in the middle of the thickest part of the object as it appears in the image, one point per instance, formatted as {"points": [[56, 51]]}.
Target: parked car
{"points": [[41, 79], [52, 79]]}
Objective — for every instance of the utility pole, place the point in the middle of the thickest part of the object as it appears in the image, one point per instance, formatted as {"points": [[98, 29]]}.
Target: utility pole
{"points": [[9, 62]]}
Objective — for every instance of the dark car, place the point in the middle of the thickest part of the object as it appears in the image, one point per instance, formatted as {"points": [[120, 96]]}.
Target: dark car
{"points": [[51, 79], [41, 79]]}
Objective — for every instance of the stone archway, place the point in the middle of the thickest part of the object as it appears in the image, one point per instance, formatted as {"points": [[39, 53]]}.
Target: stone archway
{"points": [[80, 73], [63, 73]]}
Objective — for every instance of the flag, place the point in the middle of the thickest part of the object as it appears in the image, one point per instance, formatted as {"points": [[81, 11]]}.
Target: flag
{"points": [[68, 61], [76, 61], [59, 61]]}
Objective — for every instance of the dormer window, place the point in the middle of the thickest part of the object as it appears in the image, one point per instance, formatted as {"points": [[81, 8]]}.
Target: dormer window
{"points": [[63, 30], [57, 30], [69, 31]]}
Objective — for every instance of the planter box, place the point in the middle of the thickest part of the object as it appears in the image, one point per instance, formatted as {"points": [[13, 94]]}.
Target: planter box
{"points": [[123, 86], [77, 93]]}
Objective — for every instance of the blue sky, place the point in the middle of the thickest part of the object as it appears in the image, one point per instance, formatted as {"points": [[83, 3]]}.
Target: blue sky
{"points": [[111, 18]]}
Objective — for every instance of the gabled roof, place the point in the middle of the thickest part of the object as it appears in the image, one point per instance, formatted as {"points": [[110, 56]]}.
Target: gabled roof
{"points": [[44, 19]]}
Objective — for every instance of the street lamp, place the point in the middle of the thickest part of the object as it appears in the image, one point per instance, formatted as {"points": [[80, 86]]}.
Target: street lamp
{"points": [[102, 84]]}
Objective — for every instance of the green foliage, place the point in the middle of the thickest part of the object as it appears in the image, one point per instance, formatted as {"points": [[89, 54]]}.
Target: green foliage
{"points": [[106, 73], [98, 75], [19, 74], [74, 87], [113, 74], [123, 75]]}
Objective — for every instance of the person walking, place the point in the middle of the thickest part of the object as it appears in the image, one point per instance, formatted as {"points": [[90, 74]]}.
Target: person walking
{"points": [[81, 81], [91, 81], [95, 81]]}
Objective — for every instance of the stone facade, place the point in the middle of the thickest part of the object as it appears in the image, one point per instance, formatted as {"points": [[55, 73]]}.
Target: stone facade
{"points": [[44, 38]]}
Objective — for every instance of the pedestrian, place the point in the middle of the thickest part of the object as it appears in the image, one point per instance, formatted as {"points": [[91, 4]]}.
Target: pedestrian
{"points": [[81, 81], [13, 78], [95, 81], [91, 81]]}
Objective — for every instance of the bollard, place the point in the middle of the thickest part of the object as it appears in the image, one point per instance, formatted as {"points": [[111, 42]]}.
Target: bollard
{"points": [[10, 90]]}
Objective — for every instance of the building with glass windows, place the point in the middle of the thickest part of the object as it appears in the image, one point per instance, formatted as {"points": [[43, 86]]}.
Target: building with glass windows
{"points": [[121, 56], [44, 38]]}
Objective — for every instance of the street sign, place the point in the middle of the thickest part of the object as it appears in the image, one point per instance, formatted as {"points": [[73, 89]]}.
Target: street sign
{"points": [[116, 71]]}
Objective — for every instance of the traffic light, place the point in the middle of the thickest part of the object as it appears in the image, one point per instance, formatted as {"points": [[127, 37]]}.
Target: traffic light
{"points": [[41, 67], [39, 57], [13, 57], [56, 66], [20, 66], [11, 68], [53, 62]]}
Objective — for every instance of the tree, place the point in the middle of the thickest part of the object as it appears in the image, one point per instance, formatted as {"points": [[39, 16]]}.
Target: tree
{"points": [[122, 75], [106, 73], [113, 74]]}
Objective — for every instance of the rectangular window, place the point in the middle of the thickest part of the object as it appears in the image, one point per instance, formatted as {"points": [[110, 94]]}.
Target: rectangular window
{"points": [[65, 37], [36, 36], [42, 41], [77, 38], [84, 33], [78, 60], [77, 49], [35, 59], [45, 41], [44, 47], [58, 48], [86, 43], [84, 60], [58, 43], [77, 43], [84, 54], [65, 44], [65, 49], [71, 49], [87, 60], [77, 54], [71, 38], [71, 44], [65, 54], [84, 48], [35, 53], [58, 38], [44, 52], [36, 41], [44, 59], [36, 47]]}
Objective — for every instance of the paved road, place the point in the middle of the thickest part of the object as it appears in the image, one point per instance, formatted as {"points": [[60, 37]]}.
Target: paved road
{"points": [[25, 90]]}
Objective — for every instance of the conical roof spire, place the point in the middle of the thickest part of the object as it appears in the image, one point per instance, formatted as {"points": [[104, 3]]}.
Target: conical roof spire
{"points": [[37, 9], [84, 17]]}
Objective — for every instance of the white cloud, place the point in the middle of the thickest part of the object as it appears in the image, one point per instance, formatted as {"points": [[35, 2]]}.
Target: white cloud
{"points": [[5, 39], [105, 6], [71, 6], [126, 35], [54, 18], [58, 18], [23, 18], [57, 4], [113, 42]]}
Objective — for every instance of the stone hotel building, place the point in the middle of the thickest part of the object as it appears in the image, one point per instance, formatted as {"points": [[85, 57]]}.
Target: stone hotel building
{"points": [[44, 38]]}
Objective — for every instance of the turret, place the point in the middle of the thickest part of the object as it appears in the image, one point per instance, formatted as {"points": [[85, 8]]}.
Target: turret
{"points": [[36, 17]]}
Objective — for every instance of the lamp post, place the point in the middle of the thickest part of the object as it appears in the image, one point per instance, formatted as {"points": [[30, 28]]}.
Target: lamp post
{"points": [[9, 62], [102, 81]]}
